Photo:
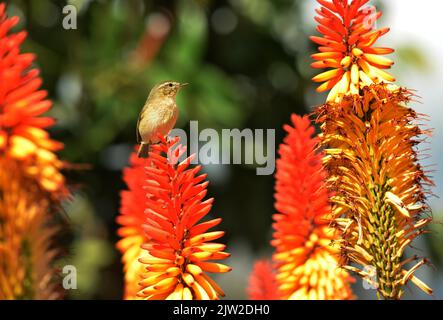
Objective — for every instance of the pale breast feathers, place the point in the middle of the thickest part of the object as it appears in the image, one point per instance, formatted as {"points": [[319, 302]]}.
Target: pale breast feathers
{"points": [[159, 117]]}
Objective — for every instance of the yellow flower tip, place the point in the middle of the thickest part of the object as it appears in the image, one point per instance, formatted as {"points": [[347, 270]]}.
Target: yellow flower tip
{"points": [[21, 147]]}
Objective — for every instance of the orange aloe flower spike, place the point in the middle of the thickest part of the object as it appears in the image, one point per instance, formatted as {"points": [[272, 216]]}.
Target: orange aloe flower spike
{"points": [[370, 135], [380, 188], [22, 127], [307, 263], [181, 250]]}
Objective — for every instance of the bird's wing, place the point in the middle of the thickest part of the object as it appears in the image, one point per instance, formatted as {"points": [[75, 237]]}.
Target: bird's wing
{"points": [[137, 132], [140, 117]]}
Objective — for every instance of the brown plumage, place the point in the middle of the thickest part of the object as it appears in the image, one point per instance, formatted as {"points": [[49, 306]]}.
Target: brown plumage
{"points": [[158, 115]]}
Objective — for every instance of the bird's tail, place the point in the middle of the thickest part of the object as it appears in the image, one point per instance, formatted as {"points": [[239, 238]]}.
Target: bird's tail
{"points": [[143, 150]]}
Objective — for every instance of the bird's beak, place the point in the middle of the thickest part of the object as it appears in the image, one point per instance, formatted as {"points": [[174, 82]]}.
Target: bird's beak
{"points": [[183, 84]]}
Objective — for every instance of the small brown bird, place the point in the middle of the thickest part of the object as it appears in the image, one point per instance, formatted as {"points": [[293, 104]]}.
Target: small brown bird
{"points": [[158, 115]]}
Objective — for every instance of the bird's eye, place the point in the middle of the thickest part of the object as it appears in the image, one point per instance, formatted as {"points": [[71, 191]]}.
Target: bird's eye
{"points": [[170, 84]]}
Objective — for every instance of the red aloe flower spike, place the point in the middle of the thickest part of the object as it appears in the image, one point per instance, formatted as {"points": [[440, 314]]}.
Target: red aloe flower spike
{"points": [[131, 219], [306, 262], [22, 127], [179, 245]]}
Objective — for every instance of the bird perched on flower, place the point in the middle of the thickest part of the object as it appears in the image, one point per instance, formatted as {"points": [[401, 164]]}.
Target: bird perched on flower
{"points": [[158, 115]]}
